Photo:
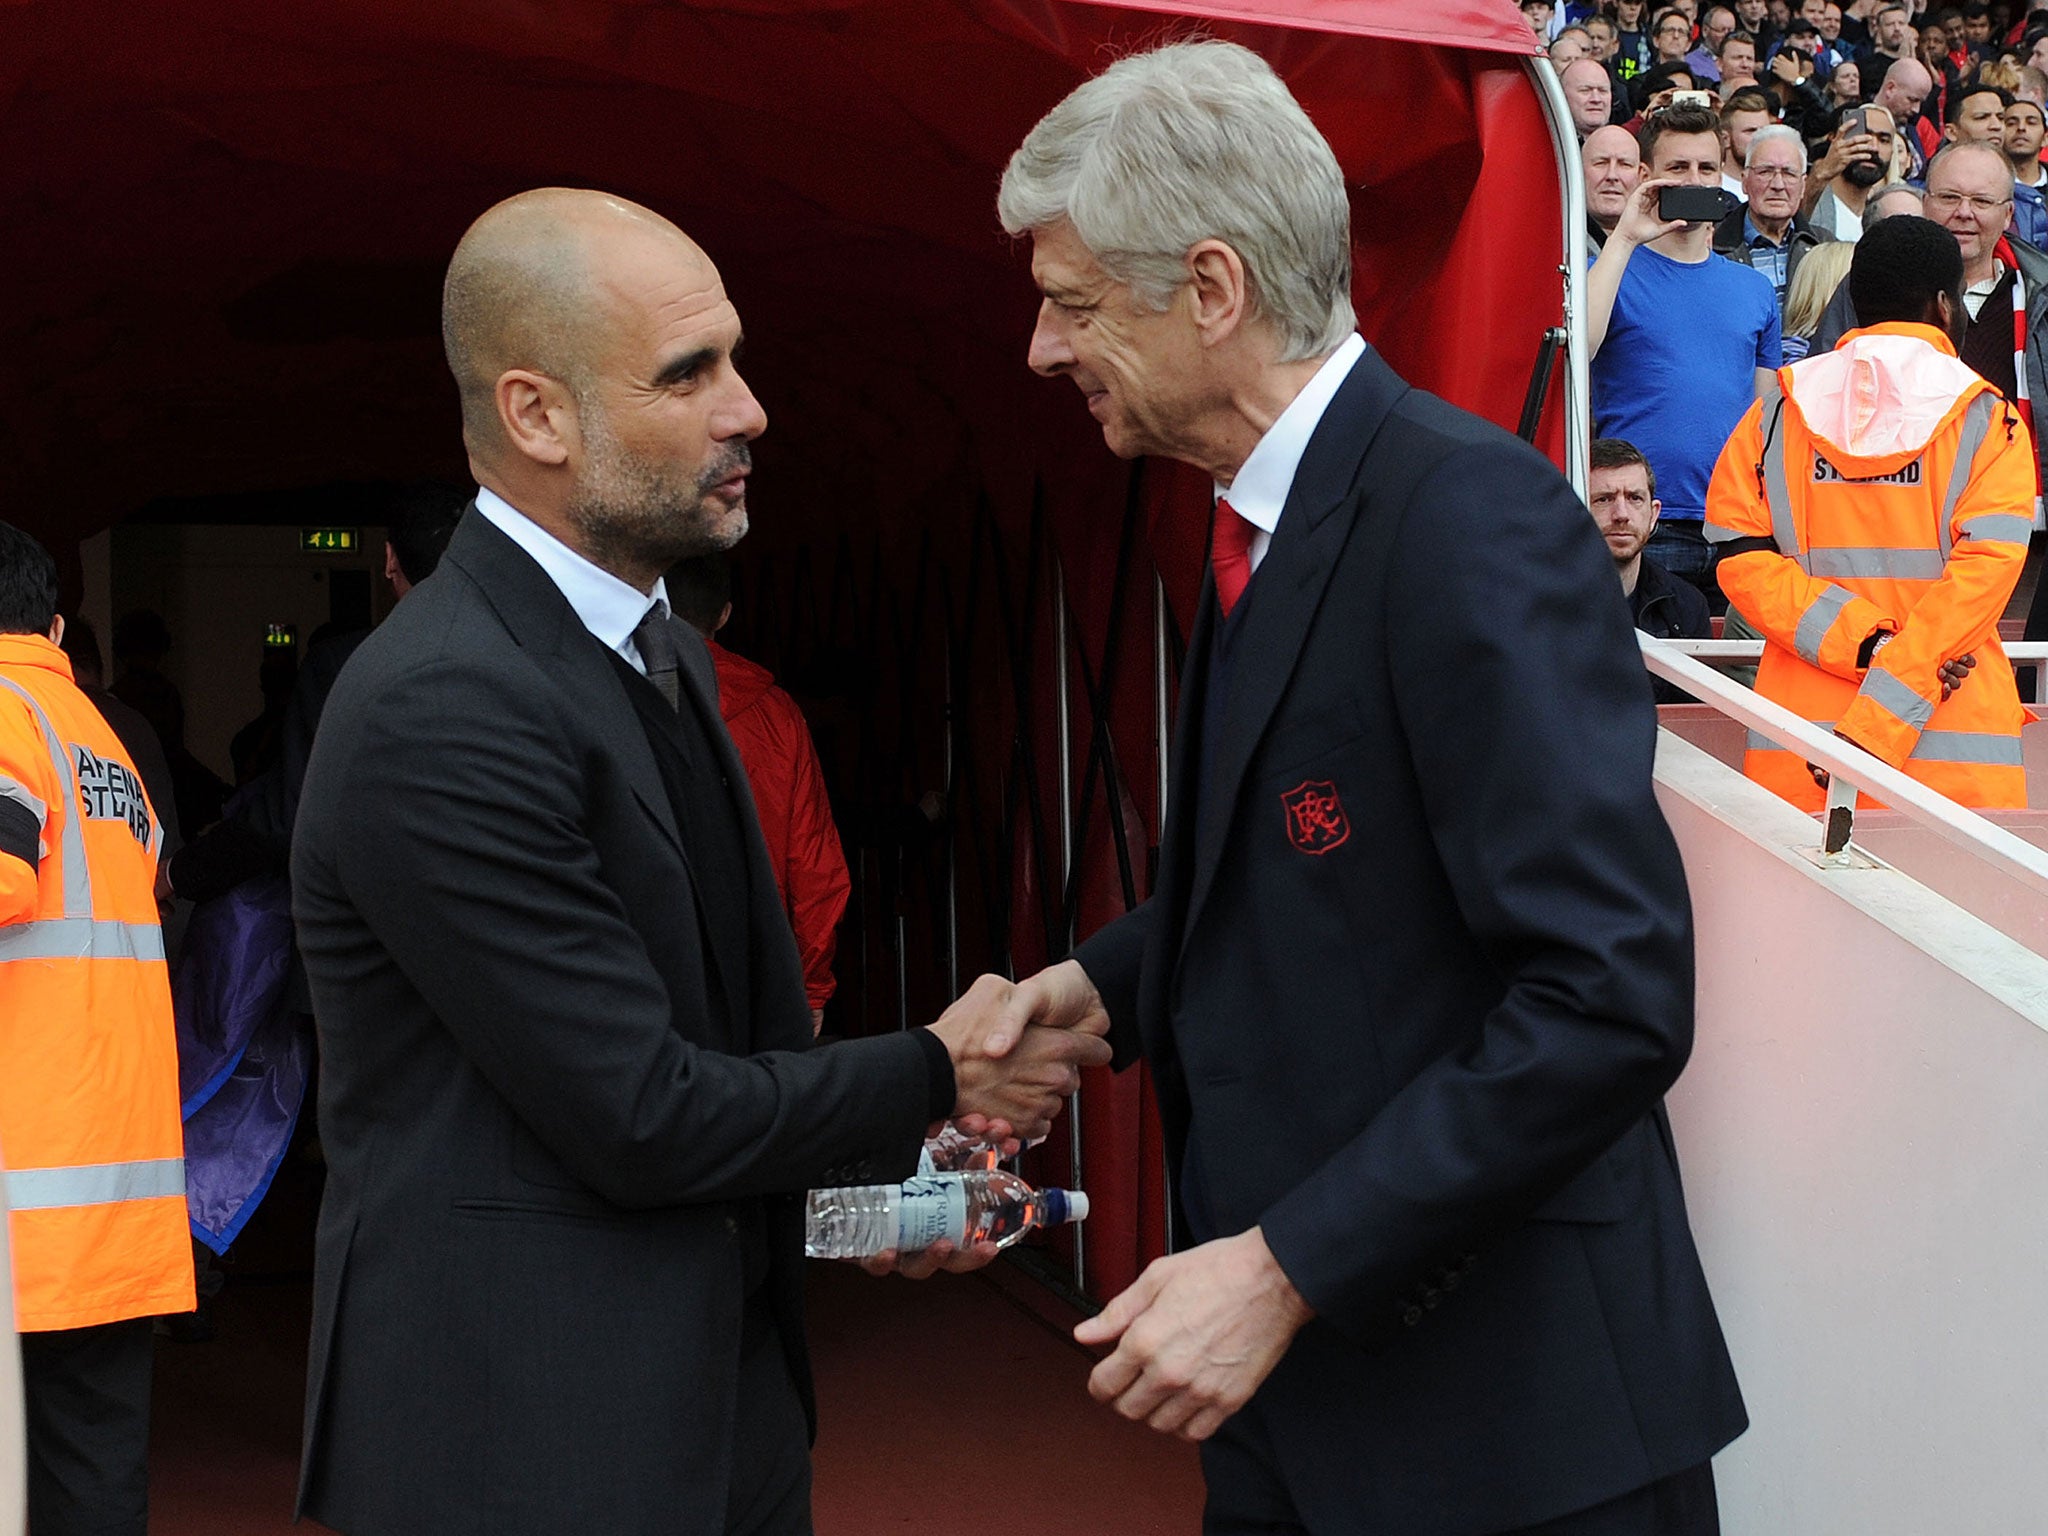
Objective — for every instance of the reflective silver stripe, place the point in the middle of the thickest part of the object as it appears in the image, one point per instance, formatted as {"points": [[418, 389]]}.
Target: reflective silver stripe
{"points": [[1818, 619], [49, 1189], [1716, 534], [2007, 527], [1976, 424], [1987, 747], [1784, 532], [1884, 689], [80, 938], [1896, 564], [77, 878]]}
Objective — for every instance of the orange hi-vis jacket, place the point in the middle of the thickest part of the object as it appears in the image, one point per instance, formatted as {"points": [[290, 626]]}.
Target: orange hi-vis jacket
{"points": [[95, 1182], [1883, 487]]}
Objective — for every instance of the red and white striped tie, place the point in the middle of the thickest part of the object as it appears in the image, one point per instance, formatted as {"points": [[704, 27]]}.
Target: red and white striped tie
{"points": [[1230, 555]]}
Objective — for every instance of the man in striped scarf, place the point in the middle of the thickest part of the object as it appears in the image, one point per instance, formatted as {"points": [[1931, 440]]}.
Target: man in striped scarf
{"points": [[2005, 280]]}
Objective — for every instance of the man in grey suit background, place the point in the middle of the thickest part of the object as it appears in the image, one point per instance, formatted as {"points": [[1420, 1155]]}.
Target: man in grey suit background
{"points": [[568, 1102]]}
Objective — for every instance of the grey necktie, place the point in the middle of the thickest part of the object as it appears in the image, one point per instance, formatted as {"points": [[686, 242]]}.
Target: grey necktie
{"points": [[656, 644]]}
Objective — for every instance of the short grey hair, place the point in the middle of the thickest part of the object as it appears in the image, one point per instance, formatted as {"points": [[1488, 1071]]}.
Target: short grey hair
{"points": [[1196, 141], [1873, 210], [1777, 133]]}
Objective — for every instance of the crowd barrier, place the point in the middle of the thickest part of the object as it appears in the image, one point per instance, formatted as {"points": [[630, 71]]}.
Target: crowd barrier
{"points": [[1863, 1138]]}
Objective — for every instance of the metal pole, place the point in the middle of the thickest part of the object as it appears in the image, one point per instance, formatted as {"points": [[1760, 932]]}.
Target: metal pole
{"points": [[1571, 176], [1162, 725], [1066, 775]]}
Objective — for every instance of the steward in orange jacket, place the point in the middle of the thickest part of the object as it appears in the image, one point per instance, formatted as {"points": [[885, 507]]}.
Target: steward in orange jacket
{"points": [[1873, 512], [95, 1183]]}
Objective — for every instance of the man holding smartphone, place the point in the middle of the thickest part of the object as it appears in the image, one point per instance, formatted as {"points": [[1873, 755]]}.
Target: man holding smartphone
{"points": [[1681, 338]]}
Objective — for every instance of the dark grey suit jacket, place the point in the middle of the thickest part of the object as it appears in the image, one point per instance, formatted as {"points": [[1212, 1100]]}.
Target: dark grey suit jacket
{"points": [[543, 1129], [1415, 975]]}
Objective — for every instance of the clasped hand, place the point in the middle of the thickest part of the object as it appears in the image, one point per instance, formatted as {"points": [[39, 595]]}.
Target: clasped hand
{"points": [[1017, 1050]]}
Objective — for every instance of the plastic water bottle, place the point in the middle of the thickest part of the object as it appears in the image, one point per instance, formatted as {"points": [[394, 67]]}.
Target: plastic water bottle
{"points": [[987, 1205]]}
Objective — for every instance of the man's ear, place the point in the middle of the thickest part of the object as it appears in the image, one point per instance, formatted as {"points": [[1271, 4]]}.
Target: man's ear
{"points": [[57, 629], [537, 414], [1656, 511], [1220, 290]]}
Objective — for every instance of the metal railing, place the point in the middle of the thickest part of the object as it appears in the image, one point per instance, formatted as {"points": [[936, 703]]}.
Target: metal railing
{"points": [[2030, 655], [2010, 855]]}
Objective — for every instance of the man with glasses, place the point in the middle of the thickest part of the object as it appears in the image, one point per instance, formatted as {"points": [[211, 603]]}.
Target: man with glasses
{"points": [[1769, 233], [2005, 280]]}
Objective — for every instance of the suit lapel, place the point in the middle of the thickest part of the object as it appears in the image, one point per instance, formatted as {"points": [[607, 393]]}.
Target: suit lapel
{"points": [[1321, 509], [540, 620]]}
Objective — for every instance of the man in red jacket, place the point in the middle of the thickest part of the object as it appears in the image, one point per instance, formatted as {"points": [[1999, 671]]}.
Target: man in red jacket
{"points": [[782, 768]]}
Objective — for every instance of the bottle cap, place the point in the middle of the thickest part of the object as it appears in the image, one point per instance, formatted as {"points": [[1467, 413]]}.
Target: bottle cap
{"points": [[1076, 1204]]}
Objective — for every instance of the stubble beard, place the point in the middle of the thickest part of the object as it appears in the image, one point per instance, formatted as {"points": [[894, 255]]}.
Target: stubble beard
{"points": [[639, 516]]}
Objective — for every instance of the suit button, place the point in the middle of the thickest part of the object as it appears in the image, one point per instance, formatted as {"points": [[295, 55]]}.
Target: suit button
{"points": [[1412, 1316], [1451, 1279], [1431, 1296]]}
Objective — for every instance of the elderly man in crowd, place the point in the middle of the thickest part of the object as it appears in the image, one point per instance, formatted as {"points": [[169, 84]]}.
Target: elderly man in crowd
{"points": [[2005, 280], [1769, 233], [1590, 94], [1613, 166]]}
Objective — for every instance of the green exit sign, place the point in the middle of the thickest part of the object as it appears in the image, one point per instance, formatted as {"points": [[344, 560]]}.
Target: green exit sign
{"points": [[330, 541]]}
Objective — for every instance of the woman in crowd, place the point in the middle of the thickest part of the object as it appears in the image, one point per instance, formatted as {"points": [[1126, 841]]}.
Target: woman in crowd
{"points": [[1819, 275], [1845, 85]]}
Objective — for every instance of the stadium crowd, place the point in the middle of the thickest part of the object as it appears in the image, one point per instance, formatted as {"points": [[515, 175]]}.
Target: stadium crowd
{"points": [[1814, 123]]}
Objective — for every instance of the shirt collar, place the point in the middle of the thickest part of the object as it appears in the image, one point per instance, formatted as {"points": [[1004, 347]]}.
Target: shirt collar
{"points": [[610, 609], [1751, 234], [1990, 284], [1259, 492]]}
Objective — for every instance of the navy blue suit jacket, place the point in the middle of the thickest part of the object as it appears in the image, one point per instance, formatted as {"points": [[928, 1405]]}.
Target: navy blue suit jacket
{"points": [[1415, 977]]}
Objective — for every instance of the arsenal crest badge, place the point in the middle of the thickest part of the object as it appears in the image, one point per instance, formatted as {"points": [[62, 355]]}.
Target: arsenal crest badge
{"points": [[1316, 822]]}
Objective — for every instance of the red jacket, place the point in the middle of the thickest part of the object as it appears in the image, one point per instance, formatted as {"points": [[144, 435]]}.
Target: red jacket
{"points": [[796, 817]]}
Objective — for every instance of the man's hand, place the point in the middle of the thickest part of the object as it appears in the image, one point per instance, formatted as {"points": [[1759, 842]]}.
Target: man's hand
{"points": [[1198, 1332], [941, 1255], [1018, 1047], [1790, 66], [1639, 224], [1954, 674]]}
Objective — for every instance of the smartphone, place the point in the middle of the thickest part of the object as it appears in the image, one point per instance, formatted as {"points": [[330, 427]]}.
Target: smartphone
{"points": [[1695, 205], [1691, 99], [1856, 122]]}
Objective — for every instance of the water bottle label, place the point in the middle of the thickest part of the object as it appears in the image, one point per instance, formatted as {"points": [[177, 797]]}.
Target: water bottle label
{"points": [[928, 1210]]}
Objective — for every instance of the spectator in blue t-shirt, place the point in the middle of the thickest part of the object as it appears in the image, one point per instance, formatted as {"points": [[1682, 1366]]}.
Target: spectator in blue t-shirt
{"points": [[1681, 338]]}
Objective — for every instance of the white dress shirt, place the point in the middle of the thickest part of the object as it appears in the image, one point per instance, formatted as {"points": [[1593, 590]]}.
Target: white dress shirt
{"points": [[610, 609], [1259, 493]]}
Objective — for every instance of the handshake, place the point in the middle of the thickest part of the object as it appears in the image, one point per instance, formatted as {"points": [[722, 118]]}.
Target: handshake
{"points": [[1018, 1049]]}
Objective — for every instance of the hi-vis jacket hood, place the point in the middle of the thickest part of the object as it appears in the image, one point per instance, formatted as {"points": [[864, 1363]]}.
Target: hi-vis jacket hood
{"points": [[1878, 399]]}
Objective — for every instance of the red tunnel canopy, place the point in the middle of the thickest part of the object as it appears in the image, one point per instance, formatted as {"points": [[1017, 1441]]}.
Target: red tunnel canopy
{"points": [[226, 221]]}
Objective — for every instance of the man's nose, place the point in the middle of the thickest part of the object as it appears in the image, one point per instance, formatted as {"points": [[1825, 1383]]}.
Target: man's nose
{"points": [[1049, 351], [743, 417]]}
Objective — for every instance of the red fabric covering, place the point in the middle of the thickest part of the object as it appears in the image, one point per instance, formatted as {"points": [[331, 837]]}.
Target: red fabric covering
{"points": [[225, 223], [796, 814]]}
